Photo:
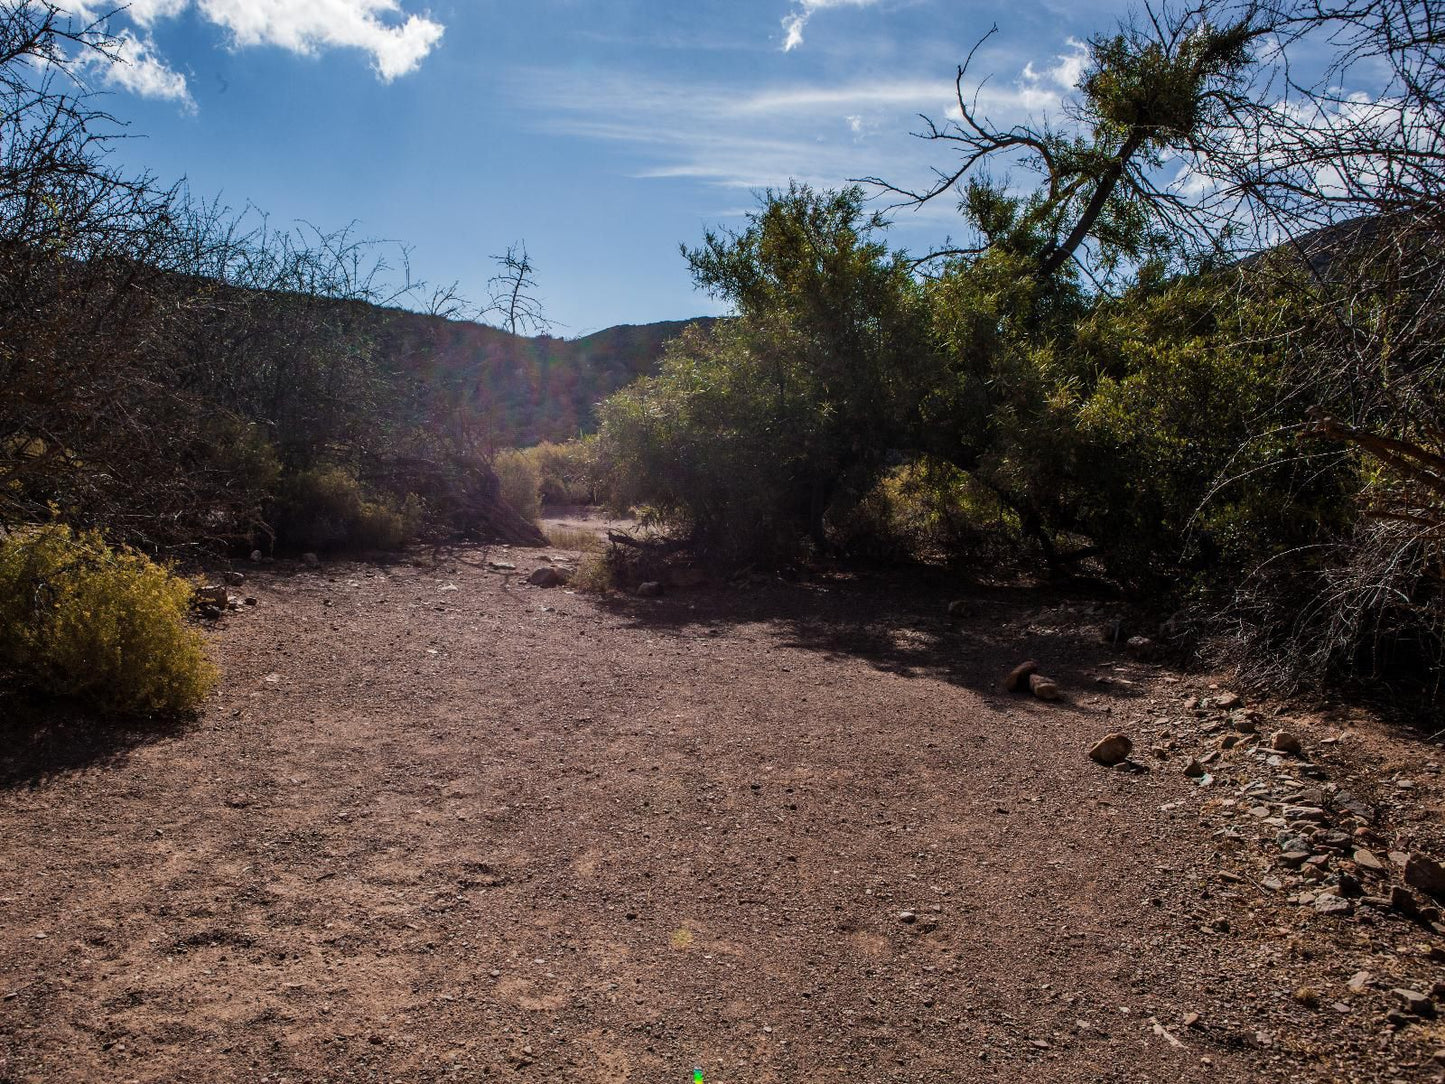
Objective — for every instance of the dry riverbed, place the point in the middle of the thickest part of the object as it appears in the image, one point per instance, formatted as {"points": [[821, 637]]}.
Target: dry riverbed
{"points": [[439, 824]]}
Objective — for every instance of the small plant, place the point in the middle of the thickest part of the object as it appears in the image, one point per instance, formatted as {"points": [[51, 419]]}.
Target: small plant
{"points": [[573, 538], [328, 509], [521, 483], [105, 625], [598, 573]]}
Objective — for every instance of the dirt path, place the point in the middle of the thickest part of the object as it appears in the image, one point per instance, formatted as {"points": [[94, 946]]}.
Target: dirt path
{"points": [[439, 828]]}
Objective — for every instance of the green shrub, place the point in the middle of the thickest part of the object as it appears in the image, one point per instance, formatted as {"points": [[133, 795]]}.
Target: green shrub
{"points": [[108, 626], [328, 509], [926, 509], [521, 483], [567, 473]]}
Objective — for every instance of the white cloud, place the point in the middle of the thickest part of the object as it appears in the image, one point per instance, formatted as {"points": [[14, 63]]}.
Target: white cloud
{"points": [[396, 46], [140, 71], [795, 21], [1066, 71], [397, 43]]}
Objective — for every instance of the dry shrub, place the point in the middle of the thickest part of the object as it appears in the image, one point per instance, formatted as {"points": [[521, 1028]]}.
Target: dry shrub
{"points": [[105, 625], [573, 538], [328, 509], [598, 573], [521, 483]]}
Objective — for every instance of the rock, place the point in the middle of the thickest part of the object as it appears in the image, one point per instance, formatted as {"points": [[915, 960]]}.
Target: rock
{"points": [[1140, 645], [1193, 769], [1350, 885], [250, 600], [1044, 688], [1285, 742], [958, 608], [234, 579], [1309, 813], [650, 589], [908, 918], [1367, 861], [545, 577], [1019, 676], [212, 595], [1358, 981], [310, 560], [1111, 749], [1425, 874], [1327, 903], [1228, 701], [256, 557], [1413, 1001], [501, 566], [1403, 900]]}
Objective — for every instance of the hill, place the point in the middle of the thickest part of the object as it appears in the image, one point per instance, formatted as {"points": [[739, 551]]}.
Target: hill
{"points": [[528, 389]]}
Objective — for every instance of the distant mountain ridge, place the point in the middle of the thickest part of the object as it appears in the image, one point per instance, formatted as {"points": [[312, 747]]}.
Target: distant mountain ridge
{"points": [[529, 389]]}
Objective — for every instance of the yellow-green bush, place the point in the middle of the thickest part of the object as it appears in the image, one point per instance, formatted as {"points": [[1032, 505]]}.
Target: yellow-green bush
{"points": [[106, 625], [521, 482], [326, 508]]}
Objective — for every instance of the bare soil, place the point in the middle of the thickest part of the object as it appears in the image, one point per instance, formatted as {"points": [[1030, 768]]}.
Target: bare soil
{"points": [[439, 825]]}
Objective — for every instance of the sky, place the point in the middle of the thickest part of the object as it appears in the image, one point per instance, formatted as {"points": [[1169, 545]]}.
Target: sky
{"points": [[604, 135]]}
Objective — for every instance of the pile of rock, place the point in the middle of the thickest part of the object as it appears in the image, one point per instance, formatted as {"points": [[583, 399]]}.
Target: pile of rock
{"points": [[213, 600]]}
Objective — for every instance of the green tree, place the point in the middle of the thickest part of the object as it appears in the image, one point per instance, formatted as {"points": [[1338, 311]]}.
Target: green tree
{"points": [[793, 405]]}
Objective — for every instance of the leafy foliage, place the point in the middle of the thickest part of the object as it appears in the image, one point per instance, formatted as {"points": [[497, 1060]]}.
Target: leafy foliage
{"points": [[106, 625], [754, 428]]}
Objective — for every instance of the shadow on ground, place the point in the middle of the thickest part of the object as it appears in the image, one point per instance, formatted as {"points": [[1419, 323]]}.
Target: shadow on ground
{"points": [[41, 740], [898, 621]]}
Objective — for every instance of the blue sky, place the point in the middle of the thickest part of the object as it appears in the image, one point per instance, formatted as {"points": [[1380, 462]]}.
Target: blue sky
{"points": [[604, 134]]}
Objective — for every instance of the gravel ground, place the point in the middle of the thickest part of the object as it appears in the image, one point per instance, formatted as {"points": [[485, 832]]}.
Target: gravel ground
{"points": [[438, 825]]}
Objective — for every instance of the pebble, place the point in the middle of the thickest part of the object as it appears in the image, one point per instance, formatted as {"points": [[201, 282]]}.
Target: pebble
{"points": [[1414, 1001], [1045, 688], [1111, 749], [1018, 677], [1285, 742], [1425, 874], [1327, 903], [907, 917], [1367, 861]]}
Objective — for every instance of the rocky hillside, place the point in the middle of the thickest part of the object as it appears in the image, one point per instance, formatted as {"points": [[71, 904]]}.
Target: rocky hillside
{"points": [[527, 389]]}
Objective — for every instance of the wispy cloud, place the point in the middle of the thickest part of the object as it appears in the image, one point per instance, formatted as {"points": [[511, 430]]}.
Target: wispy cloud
{"points": [[753, 139], [396, 42], [803, 10]]}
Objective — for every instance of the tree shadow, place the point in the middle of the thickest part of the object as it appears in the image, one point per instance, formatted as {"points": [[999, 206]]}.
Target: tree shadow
{"points": [[44, 739], [898, 621]]}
